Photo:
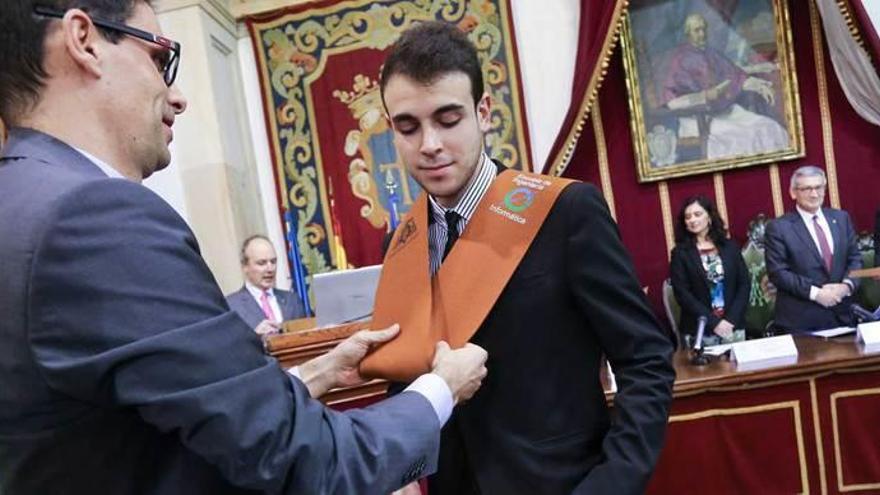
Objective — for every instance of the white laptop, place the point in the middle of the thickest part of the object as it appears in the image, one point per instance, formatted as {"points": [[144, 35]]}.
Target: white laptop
{"points": [[345, 296]]}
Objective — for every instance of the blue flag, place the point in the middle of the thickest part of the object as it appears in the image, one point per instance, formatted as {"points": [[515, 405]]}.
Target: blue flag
{"points": [[296, 266]]}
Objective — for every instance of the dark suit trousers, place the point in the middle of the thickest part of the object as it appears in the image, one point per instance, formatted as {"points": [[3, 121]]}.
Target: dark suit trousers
{"points": [[454, 473]]}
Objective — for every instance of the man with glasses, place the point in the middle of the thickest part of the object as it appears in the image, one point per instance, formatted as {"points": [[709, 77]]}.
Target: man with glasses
{"points": [[122, 369], [809, 254]]}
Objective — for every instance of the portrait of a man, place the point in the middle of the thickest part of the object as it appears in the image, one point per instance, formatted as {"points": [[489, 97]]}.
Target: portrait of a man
{"points": [[711, 87]]}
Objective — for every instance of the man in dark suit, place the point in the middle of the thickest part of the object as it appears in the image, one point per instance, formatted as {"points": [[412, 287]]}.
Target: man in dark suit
{"points": [[259, 303], [122, 368], [809, 254], [540, 424]]}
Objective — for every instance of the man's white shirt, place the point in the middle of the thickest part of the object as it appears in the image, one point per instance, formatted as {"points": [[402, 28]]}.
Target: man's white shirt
{"points": [[807, 217], [257, 294]]}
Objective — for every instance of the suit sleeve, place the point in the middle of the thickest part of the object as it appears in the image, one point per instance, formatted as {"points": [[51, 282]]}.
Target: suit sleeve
{"points": [[777, 257], [684, 291], [736, 312], [607, 291], [294, 306], [125, 314], [853, 255]]}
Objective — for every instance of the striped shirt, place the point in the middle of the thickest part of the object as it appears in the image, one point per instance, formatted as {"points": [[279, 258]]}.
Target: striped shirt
{"points": [[467, 204]]}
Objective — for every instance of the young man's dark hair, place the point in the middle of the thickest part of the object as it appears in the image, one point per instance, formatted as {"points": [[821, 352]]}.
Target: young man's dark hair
{"points": [[430, 50], [22, 34]]}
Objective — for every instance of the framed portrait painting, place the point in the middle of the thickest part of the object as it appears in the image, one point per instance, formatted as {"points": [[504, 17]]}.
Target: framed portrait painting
{"points": [[711, 85]]}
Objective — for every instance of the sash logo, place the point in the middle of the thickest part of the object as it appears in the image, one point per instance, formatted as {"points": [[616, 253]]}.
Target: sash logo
{"points": [[507, 214], [519, 199], [407, 231]]}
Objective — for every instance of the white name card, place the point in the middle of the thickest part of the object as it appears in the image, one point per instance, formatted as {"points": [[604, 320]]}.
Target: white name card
{"points": [[869, 333], [775, 348]]}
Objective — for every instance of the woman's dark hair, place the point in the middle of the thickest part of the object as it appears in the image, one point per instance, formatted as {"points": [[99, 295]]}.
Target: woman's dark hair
{"points": [[717, 229], [22, 33], [431, 50]]}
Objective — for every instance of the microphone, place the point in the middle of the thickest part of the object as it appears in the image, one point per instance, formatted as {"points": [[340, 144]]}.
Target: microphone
{"points": [[701, 329], [861, 314], [698, 358]]}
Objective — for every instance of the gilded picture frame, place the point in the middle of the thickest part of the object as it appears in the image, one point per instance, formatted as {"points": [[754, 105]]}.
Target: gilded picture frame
{"points": [[711, 86]]}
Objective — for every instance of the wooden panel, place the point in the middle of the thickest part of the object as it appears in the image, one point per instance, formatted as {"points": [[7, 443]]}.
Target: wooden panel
{"points": [[722, 450], [814, 356], [848, 406], [294, 347]]}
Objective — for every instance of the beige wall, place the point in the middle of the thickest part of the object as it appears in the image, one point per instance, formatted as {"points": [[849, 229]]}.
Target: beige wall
{"points": [[212, 179]]}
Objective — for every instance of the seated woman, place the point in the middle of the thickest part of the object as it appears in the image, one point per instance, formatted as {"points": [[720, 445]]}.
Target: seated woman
{"points": [[708, 274]]}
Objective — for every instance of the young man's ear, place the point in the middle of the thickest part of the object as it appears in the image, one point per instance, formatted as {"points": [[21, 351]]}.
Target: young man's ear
{"points": [[82, 41], [484, 112]]}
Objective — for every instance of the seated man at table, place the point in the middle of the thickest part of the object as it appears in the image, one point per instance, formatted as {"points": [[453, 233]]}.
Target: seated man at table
{"points": [[810, 253], [262, 306]]}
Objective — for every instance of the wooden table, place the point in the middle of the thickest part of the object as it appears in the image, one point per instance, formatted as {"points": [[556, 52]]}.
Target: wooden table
{"points": [[296, 346], [809, 427]]}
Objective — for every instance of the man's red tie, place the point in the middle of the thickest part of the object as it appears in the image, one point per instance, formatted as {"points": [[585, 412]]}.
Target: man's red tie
{"points": [[267, 309], [824, 247]]}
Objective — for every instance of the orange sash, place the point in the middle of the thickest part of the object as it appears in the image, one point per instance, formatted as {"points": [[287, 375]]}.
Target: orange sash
{"points": [[453, 304]]}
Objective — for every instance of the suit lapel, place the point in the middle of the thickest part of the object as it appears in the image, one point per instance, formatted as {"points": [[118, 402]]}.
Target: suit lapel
{"points": [[251, 303], [836, 238], [800, 229], [281, 298], [694, 255]]}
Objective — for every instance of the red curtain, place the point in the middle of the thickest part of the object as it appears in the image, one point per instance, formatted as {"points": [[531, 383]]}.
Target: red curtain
{"points": [[867, 30], [597, 34]]}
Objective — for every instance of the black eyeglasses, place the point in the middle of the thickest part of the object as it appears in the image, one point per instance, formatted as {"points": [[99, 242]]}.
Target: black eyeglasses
{"points": [[808, 189], [167, 65]]}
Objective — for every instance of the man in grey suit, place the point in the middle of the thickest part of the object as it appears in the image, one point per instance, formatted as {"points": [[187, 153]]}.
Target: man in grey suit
{"points": [[259, 303], [122, 368], [809, 254]]}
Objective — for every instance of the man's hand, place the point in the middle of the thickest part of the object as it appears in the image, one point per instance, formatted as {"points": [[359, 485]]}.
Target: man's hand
{"points": [[410, 489], [723, 329], [827, 296], [339, 367], [267, 327], [839, 290], [463, 369], [761, 86]]}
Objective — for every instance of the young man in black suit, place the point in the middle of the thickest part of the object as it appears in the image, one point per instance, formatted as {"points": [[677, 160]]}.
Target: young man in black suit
{"points": [[540, 424]]}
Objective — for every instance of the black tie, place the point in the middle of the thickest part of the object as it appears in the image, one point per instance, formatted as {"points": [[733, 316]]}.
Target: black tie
{"points": [[451, 231]]}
